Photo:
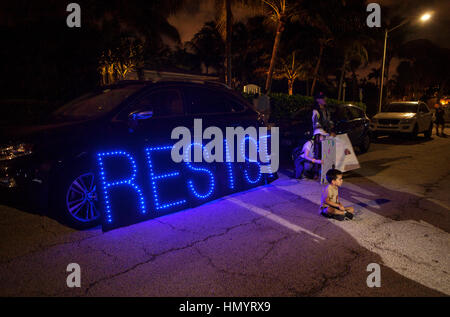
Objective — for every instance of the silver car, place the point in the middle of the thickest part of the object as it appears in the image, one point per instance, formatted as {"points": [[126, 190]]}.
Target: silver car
{"points": [[408, 117]]}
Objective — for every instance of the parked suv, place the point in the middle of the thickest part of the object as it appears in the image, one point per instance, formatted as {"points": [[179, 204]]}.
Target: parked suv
{"points": [[347, 118], [406, 117], [52, 163]]}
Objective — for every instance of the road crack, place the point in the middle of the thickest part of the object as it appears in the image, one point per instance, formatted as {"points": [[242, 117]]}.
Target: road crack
{"points": [[154, 256]]}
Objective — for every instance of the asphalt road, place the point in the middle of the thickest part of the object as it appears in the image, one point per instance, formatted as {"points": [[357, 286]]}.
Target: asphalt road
{"points": [[269, 241]]}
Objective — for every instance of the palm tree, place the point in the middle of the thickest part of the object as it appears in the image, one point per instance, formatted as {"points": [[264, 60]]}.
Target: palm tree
{"points": [[291, 70], [253, 39], [117, 62], [354, 52], [323, 42], [375, 74], [145, 22], [352, 38], [224, 21], [326, 17], [278, 8], [208, 45]]}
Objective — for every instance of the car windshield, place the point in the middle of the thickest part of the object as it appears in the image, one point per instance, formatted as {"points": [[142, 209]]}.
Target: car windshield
{"points": [[400, 107], [93, 105]]}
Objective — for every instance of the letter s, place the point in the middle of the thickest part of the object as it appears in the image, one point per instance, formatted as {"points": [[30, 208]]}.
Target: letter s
{"points": [[199, 169]]}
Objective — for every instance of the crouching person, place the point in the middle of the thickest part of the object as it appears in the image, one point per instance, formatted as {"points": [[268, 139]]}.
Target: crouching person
{"points": [[330, 206], [304, 161]]}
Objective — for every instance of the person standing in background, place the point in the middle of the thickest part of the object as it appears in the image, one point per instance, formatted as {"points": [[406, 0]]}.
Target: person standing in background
{"points": [[321, 123], [262, 105], [439, 119]]}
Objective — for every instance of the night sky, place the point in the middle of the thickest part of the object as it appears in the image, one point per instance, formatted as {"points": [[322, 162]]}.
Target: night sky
{"points": [[436, 30]]}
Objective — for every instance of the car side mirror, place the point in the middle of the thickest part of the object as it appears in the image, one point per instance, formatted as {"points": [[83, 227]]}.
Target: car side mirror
{"points": [[140, 115]]}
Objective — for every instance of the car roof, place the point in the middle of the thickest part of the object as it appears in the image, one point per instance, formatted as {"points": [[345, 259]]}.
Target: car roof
{"points": [[218, 86], [407, 102], [207, 83], [161, 83]]}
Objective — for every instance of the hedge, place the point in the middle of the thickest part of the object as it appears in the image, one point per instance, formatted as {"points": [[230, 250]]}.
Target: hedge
{"points": [[284, 105]]}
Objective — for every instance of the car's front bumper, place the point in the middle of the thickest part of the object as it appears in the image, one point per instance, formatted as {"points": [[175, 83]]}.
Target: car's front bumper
{"points": [[16, 173], [394, 128], [25, 177]]}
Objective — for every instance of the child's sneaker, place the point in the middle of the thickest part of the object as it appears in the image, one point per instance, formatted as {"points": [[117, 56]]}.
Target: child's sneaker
{"points": [[349, 215]]}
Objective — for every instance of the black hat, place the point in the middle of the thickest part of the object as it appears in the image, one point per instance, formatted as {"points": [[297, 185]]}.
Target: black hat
{"points": [[320, 95]]}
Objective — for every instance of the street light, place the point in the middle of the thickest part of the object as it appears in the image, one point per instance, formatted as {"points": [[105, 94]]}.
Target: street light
{"points": [[425, 17]]}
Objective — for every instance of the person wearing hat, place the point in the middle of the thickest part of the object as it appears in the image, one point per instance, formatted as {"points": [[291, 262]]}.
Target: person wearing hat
{"points": [[321, 123], [304, 161]]}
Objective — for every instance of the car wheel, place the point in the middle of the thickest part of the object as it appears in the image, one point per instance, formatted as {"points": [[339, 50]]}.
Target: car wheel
{"points": [[365, 144], [415, 131], [374, 135], [77, 200], [429, 132]]}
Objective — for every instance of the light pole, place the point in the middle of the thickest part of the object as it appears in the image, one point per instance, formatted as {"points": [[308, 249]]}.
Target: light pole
{"points": [[425, 17]]}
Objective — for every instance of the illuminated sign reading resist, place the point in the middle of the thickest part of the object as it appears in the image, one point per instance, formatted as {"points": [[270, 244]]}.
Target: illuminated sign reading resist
{"points": [[143, 184]]}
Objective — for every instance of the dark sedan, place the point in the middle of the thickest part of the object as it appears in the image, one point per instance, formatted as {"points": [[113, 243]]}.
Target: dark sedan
{"points": [[55, 164], [347, 118]]}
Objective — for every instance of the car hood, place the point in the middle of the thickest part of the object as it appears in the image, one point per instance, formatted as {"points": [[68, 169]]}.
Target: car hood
{"points": [[394, 115], [37, 133]]}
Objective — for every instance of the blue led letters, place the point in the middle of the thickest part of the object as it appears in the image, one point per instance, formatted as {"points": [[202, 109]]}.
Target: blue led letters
{"points": [[154, 178], [250, 163], [212, 180], [170, 186], [107, 184]]}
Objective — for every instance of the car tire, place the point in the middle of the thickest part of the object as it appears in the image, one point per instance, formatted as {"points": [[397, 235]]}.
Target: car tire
{"points": [[75, 202], [373, 136], [365, 144], [429, 132], [415, 131]]}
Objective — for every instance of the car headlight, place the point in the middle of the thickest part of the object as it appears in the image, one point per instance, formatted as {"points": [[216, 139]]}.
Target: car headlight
{"points": [[374, 120], [407, 120], [9, 152]]}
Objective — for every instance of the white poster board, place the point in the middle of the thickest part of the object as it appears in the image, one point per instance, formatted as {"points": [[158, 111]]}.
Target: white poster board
{"points": [[345, 154], [328, 157], [338, 152]]}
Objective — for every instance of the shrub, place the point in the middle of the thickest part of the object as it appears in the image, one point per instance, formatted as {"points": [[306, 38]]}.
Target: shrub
{"points": [[283, 106]]}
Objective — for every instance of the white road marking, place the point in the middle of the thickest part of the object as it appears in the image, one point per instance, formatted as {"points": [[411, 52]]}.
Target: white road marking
{"points": [[267, 214]]}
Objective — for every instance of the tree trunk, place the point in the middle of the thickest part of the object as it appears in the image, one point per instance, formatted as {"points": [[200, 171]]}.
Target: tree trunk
{"points": [[354, 86], [276, 44], [316, 69], [290, 86], [386, 88], [228, 42], [307, 87], [342, 78]]}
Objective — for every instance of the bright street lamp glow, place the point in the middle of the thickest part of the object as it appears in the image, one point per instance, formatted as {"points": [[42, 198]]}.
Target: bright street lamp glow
{"points": [[425, 17]]}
